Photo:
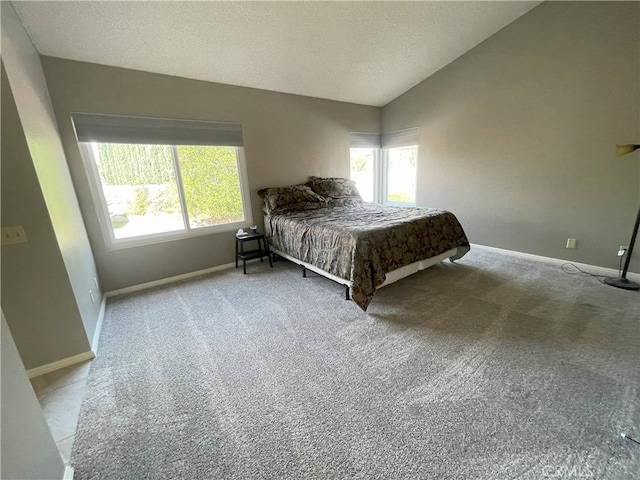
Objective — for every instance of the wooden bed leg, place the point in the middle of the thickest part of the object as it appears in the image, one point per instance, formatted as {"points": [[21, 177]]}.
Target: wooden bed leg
{"points": [[304, 272], [347, 295]]}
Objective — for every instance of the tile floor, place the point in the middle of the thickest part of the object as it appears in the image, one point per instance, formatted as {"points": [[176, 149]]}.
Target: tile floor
{"points": [[60, 395]]}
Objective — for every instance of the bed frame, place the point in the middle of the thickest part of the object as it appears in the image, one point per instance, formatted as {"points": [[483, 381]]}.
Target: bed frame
{"points": [[391, 277]]}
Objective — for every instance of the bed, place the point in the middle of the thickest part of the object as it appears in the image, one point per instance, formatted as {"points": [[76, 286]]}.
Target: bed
{"points": [[325, 226]]}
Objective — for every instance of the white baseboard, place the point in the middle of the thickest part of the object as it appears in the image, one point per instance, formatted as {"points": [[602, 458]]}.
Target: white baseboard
{"points": [[165, 281], [96, 333], [68, 473], [65, 362], [596, 270]]}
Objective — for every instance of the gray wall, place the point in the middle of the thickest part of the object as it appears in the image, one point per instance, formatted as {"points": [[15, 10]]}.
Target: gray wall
{"points": [[286, 138], [28, 450], [36, 293], [517, 136], [46, 282]]}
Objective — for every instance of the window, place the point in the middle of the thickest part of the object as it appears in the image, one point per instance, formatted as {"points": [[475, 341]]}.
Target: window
{"points": [[147, 190], [364, 168], [384, 167], [400, 170]]}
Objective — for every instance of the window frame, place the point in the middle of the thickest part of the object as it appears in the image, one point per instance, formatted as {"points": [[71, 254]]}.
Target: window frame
{"points": [[104, 220]]}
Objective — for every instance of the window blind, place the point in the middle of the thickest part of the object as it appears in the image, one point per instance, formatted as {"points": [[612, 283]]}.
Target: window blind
{"points": [[364, 140], [90, 127], [400, 138]]}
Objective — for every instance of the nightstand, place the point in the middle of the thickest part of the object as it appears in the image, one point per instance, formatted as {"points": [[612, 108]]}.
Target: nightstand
{"points": [[259, 252]]}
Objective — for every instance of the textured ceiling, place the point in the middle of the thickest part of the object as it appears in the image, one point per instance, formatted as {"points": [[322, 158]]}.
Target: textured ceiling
{"points": [[360, 52]]}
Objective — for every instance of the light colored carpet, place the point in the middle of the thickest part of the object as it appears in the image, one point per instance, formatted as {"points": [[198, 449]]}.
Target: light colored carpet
{"points": [[496, 367]]}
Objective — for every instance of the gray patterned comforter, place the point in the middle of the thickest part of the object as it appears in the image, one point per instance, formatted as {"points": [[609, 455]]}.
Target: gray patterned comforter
{"points": [[362, 242]]}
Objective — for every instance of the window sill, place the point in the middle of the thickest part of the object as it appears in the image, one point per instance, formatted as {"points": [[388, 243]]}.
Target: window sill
{"points": [[134, 242]]}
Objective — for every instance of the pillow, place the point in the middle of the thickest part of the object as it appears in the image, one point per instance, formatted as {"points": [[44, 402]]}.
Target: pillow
{"points": [[339, 191], [291, 199]]}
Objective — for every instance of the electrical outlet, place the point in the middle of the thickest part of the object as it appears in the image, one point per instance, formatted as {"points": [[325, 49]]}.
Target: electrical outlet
{"points": [[12, 235], [572, 243]]}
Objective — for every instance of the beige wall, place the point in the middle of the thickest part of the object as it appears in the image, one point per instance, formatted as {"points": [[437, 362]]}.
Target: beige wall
{"points": [[517, 136], [286, 138]]}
